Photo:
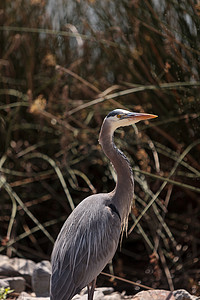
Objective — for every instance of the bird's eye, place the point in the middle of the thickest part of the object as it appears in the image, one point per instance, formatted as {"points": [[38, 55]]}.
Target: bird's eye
{"points": [[118, 116]]}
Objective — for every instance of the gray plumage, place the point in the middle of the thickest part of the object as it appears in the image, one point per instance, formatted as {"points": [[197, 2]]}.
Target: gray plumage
{"points": [[89, 237]]}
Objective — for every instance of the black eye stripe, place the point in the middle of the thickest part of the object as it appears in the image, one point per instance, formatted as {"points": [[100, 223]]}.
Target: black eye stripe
{"points": [[116, 112], [112, 114]]}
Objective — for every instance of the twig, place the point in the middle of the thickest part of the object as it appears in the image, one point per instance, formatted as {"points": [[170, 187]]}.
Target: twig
{"points": [[166, 270], [11, 193], [155, 155], [172, 85], [159, 229], [173, 155], [58, 172], [181, 157], [142, 232], [61, 33], [85, 82], [12, 217], [166, 179], [85, 178], [128, 281], [2, 160], [17, 94], [31, 231]]}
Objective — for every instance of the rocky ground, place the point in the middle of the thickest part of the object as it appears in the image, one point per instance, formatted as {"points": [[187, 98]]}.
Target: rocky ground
{"points": [[23, 275]]}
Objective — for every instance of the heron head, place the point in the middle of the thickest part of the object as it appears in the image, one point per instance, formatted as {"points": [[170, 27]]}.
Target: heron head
{"points": [[121, 117]]}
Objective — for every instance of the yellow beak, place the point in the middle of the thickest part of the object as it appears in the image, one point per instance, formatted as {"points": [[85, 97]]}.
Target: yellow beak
{"points": [[140, 116]]}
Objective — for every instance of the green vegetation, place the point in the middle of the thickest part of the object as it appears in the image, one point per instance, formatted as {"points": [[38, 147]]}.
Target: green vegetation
{"points": [[63, 67], [4, 292]]}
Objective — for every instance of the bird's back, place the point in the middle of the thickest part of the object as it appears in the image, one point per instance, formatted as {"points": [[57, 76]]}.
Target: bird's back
{"points": [[86, 243]]}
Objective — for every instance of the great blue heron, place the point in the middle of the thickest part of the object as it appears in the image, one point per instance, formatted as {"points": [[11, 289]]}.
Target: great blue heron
{"points": [[89, 237]]}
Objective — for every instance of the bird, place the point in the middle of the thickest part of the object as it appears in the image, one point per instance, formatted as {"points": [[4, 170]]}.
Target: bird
{"points": [[89, 237]]}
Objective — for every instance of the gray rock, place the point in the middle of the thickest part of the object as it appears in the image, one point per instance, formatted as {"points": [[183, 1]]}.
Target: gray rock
{"points": [[84, 291], [16, 267], [15, 283], [25, 296], [105, 290], [154, 294], [98, 295], [3, 259], [24, 266], [113, 296], [8, 270], [184, 295], [41, 278], [3, 283], [163, 295]]}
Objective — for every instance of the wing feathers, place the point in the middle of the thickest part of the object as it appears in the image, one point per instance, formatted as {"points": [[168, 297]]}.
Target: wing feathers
{"points": [[86, 243]]}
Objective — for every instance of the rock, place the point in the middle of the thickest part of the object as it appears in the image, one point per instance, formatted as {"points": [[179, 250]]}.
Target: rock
{"points": [[3, 259], [184, 295], [41, 278], [98, 295], [23, 295], [3, 283], [164, 295], [7, 270], [16, 267], [155, 295], [105, 290], [109, 293], [19, 269], [15, 283], [24, 266], [113, 296], [26, 296]]}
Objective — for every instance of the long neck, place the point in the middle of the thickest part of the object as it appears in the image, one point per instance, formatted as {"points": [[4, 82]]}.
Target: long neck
{"points": [[122, 195]]}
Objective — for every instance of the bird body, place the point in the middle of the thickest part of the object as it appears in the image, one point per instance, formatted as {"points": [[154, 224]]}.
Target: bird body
{"points": [[89, 237], [92, 245]]}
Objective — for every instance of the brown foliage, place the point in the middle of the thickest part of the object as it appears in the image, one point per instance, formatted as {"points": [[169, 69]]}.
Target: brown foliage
{"points": [[60, 74]]}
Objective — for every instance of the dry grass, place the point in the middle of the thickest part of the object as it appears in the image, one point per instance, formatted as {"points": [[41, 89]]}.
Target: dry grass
{"points": [[60, 74]]}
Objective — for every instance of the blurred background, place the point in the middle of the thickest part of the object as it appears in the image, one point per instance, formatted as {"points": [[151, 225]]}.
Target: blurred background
{"points": [[63, 66]]}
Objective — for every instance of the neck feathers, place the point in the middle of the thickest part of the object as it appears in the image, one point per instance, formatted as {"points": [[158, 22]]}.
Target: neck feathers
{"points": [[122, 195]]}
